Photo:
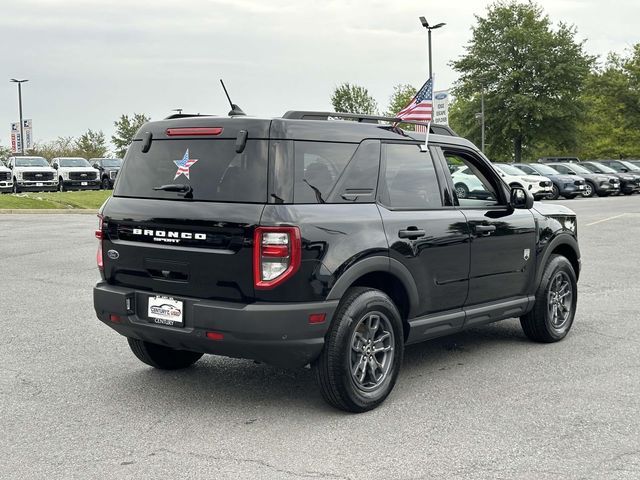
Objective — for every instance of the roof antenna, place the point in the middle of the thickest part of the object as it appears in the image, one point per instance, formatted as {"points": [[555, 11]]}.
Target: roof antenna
{"points": [[236, 111]]}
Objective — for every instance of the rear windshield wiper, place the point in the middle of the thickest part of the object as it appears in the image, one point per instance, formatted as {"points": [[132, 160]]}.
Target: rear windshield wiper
{"points": [[177, 187]]}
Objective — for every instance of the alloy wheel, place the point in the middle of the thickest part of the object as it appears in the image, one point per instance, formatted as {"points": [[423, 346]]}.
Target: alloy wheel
{"points": [[559, 301], [371, 351]]}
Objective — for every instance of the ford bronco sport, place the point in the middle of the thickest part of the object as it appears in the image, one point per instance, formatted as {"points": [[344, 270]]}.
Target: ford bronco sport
{"points": [[325, 239]]}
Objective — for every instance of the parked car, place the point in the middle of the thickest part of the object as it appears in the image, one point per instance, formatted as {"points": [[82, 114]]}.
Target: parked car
{"points": [[558, 159], [614, 178], [32, 174], [75, 173], [329, 243], [108, 168], [539, 187], [628, 172], [6, 180], [596, 183], [634, 162], [466, 183], [566, 186]]}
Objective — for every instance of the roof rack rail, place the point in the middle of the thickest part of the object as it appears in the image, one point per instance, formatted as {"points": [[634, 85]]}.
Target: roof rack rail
{"points": [[187, 115], [436, 129]]}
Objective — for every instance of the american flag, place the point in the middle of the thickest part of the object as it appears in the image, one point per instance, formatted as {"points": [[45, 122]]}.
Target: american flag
{"points": [[184, 165], [420, 108]]}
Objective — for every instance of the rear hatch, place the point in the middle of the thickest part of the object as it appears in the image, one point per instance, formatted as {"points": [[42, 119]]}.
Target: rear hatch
{"points": [[194, 237]]}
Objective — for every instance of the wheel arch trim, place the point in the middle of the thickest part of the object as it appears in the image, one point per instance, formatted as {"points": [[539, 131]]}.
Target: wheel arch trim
{"points": [[559, 240]]}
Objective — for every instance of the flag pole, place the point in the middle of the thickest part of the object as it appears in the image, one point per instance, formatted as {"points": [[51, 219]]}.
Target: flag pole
{"points": [[426, 136]]}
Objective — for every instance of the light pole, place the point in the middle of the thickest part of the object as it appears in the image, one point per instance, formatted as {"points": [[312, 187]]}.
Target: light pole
{"points": [[20, 82], [426, 25]]}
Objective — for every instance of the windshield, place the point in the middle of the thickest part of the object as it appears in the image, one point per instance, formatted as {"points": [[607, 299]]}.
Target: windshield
{"points": [[510, 170], [545, 169], [73, 162], [111, 162], [196, 169], [600, 168], [579, 168], [630, 166], [31, 162]]}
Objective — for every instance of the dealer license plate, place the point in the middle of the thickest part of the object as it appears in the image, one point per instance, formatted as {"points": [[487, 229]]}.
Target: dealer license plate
{"points": [[166, 311], [580, 187], [84, 184], [39, 184]]}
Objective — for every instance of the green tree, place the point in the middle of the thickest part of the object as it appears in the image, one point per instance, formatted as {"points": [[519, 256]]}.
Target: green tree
{"points": [[349, 98], [126, 128], [5, 152], [400, 98], [612, 99], [92, 144], [532, 76], [60, 147]]}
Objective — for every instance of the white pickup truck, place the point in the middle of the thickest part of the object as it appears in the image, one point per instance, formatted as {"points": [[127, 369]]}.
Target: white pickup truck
{"points": [[76, 173], [33, 174], [6, 180]]}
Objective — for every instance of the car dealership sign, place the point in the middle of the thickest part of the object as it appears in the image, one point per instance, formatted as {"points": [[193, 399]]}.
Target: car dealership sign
{"points": [[16, 136], [441, 107]]}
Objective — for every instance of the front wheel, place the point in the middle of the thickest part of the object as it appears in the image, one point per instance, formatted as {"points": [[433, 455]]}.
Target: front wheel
{"points": [[555, 193], [15, 186], [363, 350], [462, 190], [60, 185], [163, 358], [589, 189], [555, 306], [105, 184]]}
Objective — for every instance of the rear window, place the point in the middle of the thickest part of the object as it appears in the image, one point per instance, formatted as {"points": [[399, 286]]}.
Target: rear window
{"points": [[212, 168]]}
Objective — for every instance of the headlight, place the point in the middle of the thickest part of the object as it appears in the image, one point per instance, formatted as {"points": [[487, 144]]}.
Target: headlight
{"points": [[570, 224], [18, 175], [65, 175]]}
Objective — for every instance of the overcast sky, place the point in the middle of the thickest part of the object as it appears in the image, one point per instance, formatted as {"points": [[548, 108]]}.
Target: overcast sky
{"points": [[89, 62]]}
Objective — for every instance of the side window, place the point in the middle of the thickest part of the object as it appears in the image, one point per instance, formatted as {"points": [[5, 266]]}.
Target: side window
{"points": [[472, 187], [318, 166], [358, 181], [561, 169], [409, 179], [527, 169]]}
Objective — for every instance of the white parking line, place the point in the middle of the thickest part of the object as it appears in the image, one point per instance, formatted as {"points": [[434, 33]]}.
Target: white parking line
{"points": [[605, 219]]}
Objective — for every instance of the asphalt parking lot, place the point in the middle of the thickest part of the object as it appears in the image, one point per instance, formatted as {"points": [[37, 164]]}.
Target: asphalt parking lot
{"points": [[486, 403]]}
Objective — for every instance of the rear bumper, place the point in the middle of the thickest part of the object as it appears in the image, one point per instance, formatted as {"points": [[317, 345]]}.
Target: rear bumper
{"points": [[278, 334]]}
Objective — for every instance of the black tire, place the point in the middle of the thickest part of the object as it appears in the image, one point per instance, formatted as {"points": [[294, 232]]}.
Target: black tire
{"points": [[555, 193], [539, 324], [60, 185], [15, 186], [353, 321], [161, 357], [105, 184], [462, 191], [589, 190], [570, 197]]}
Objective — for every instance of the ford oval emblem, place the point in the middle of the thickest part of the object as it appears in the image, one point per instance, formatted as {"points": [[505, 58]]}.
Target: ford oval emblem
{"points": [[441, 96], [113, 254]]}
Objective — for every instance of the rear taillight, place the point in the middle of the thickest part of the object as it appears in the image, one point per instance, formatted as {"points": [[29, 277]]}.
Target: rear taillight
{"points": [[99, 236], [276, 255]]}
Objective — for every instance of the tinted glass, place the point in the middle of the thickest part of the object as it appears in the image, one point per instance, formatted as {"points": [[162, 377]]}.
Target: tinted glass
{"points": [[212, 168], [527, 169], [409, 179], [510, 170], [111, 162], [31, 162], [318, 166], [472, 188], [561, 169], [358, 182], [602, 168], [545, 169], [73, 162], [579, 169]]}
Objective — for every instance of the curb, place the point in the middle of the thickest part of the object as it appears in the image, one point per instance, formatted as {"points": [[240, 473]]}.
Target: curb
{"points": [[49, 211]]}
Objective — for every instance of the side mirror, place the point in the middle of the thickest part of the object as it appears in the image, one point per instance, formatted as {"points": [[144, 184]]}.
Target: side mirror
{"points": [[571, 172], [624, 170], [520, 198], [55, 165]]}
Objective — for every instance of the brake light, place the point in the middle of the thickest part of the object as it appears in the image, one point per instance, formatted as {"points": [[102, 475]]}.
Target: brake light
{"points": [[193, 131], [276, 255], [99, 235]]}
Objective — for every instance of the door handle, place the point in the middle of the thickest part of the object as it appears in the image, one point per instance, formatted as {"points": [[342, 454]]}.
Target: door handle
{"points": [[411, 233], [485, 229]]}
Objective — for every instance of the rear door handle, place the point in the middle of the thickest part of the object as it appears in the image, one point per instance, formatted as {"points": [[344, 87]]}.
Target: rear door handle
{"points": [[485, 229], [411, 232]]}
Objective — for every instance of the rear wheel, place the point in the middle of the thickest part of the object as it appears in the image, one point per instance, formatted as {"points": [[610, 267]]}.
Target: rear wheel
{"points": [[15, 186], [570, 197], [555, 305], [555, 193], [363, 351], [163, 358], [105, 183], [60, 185], [462, 190]]}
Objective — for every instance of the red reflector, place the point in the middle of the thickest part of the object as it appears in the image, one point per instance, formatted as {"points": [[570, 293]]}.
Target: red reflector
{"points": [[115, 318], [275, 251], [215, 336], [99, 260], [191, 131], [99, 234], [317, 318]]}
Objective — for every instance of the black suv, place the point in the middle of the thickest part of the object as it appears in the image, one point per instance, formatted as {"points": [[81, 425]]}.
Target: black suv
{"points": [[309, 240], [108, 168]]}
